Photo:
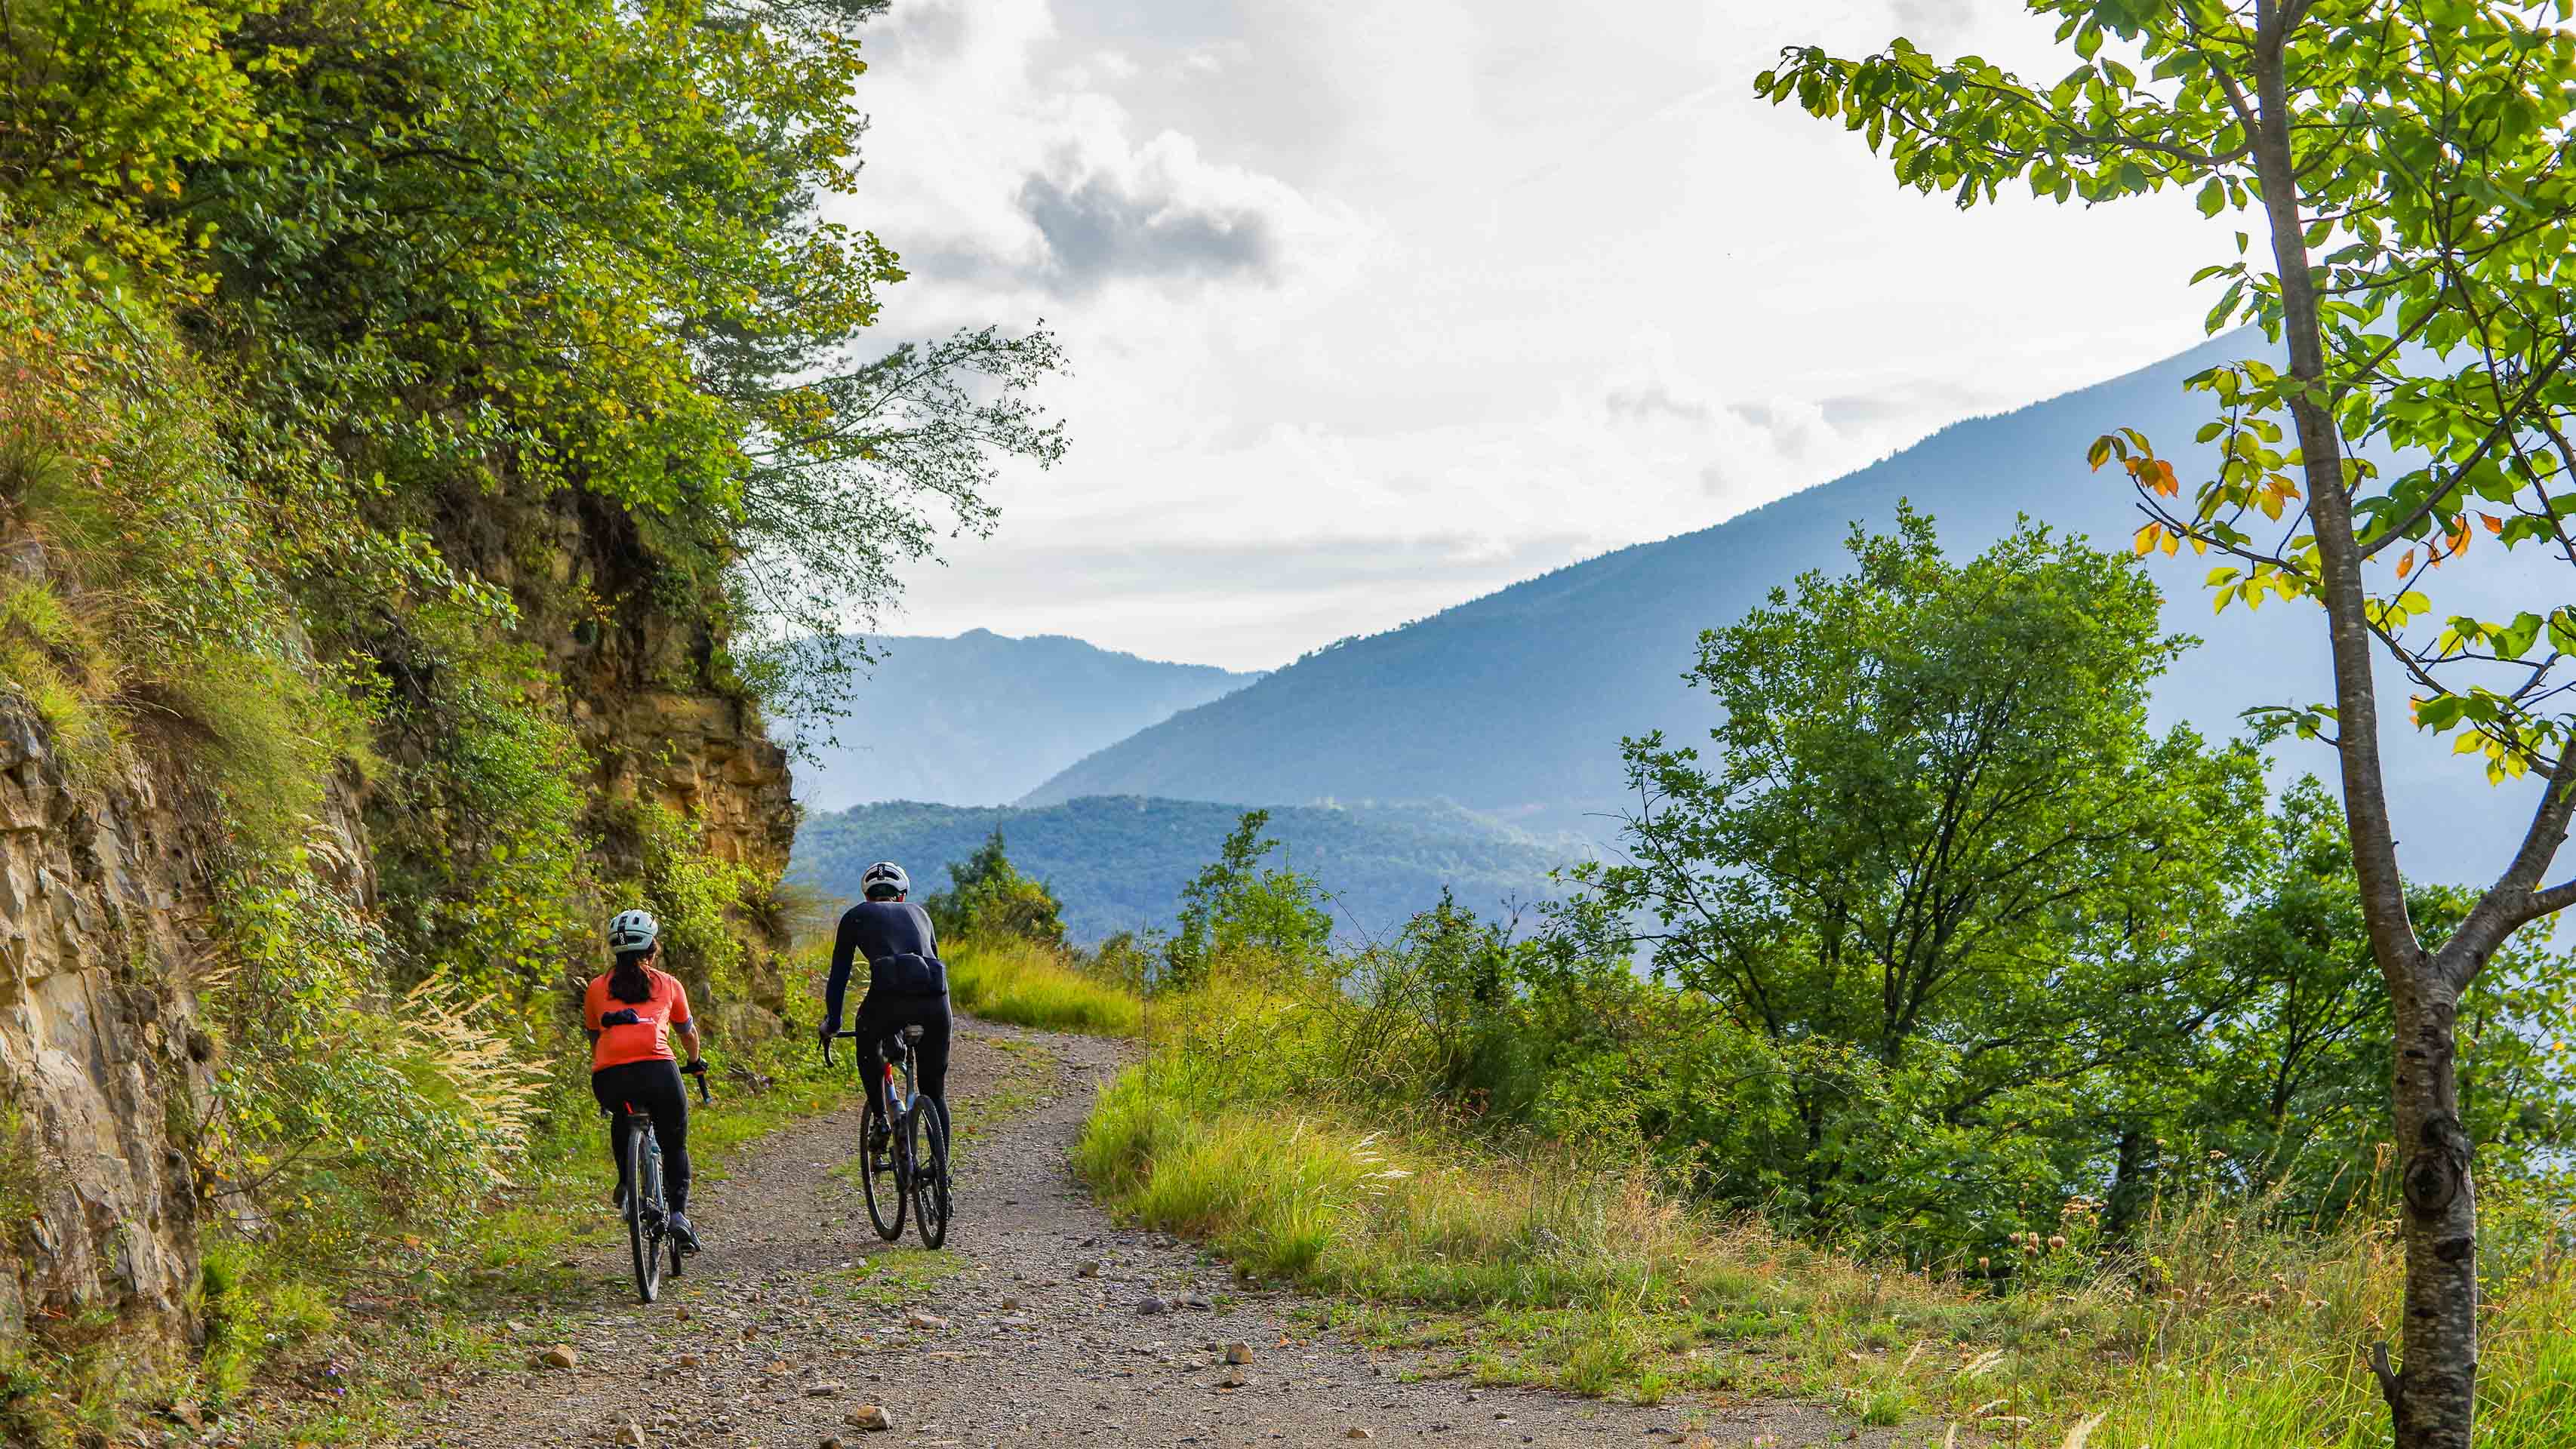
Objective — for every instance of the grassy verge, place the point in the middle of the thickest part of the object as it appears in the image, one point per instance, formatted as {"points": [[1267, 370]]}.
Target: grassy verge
{"points": [[1027, 984], [1533, 1267]]}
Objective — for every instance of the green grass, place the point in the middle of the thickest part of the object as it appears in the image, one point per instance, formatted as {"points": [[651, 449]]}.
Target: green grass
{"points": [[1027, 984], [1528, 1270]]}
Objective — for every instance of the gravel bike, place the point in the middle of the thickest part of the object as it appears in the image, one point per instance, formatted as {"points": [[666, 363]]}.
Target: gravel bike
{"points": [[911, 1169], [648, 1217]]}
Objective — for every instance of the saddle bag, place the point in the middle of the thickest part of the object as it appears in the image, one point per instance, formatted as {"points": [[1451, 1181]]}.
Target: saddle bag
{"points": [[908, 974]]}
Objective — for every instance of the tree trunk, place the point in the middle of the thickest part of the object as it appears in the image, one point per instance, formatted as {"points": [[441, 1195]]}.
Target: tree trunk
{"points": [[2434, 1398], [2132, 1184]]}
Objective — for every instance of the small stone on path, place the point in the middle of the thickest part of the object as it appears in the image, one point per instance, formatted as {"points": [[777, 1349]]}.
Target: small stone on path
{"points": [[918, 1319], [1356, 1432], [632, 1435], [824, 1390], [1087, 1268], [560, 1356], [868, 1416], [1151, 1306], [1238, 1353]]}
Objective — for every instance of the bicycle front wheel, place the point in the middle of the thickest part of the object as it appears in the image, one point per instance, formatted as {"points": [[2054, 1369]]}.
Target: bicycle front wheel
{"points": [[928, 1130], [880, 1175], [644, 1211]]}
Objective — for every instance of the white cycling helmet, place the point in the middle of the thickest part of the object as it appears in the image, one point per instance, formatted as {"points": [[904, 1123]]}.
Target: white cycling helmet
{"points": [[884, 873], [632, 931]]}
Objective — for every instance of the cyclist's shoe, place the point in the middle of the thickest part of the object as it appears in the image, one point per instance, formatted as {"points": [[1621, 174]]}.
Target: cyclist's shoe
{"points": [[683, 1234], [876, 1146], [617, 1197]]}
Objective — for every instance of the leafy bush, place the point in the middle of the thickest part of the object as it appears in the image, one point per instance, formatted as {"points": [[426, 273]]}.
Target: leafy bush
{"points": [[1238, 908], [987, 896], [696, 897], [341, 1105]]}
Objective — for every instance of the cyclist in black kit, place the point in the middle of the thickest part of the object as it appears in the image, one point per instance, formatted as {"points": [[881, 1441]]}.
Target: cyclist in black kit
{"points": [[907, 984]]}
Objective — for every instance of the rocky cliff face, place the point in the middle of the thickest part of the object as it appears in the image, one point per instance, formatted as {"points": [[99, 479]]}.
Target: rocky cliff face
{"points": [[649, 700], [105, 931], [100, 915], [107, 902]]}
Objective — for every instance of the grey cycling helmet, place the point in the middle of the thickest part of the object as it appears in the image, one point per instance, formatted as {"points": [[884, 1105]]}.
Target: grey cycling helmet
{"points": [[884, 875], [632, 931]]}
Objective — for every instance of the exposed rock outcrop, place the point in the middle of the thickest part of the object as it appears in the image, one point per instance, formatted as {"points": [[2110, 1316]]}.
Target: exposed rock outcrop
{"points": [[105, 1065]]}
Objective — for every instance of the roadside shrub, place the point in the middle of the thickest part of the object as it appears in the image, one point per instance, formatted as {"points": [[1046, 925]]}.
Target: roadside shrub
{"points": [[342, 1109], [987, 897], [1253, 916], [695, 896]]}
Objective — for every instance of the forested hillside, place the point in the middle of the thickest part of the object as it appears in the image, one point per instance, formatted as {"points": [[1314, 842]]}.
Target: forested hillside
{"points": [[405, 409], [1514, 704], [982, 719], [1118, 863]]}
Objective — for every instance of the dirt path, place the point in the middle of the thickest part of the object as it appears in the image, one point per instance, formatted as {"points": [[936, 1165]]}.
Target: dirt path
{"points": [[797, 1315]]}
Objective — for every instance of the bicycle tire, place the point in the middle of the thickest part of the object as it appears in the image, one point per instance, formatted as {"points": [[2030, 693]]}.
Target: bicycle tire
{"points": [[644, 1194], [890, 1192], [930, 1196]]}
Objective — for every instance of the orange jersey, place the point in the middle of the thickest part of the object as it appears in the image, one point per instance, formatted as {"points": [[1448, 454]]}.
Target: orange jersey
{"points": [[642, 1039]]}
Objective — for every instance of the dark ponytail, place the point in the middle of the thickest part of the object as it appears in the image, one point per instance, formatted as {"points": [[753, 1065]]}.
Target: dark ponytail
{"points": [[628, 982]]}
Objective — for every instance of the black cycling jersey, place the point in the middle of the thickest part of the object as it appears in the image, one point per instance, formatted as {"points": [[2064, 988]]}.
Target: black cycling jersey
{"points": [[875, 931]]}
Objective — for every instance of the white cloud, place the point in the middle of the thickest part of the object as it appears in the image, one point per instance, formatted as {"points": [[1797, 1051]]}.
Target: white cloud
{"points": [[1482, 287]]}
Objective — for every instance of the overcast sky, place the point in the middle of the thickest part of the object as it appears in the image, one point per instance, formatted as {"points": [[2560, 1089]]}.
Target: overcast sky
{"points": [[1379, 306]]}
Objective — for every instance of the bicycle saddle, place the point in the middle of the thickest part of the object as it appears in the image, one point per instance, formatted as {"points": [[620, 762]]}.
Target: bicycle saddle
{"points": [[912, 1033]]}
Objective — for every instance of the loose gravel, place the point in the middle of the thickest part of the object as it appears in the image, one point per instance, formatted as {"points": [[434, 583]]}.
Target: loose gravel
{"points": [[1042, 1323]]}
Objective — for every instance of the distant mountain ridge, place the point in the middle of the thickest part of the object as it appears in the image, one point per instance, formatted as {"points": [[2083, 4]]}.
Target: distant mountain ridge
{"points": [[1119, 863], [982, 718], [1513, 704]]}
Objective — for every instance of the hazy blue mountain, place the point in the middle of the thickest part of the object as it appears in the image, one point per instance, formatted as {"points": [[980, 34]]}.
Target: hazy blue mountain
{"points": [[1119, 863], [1514, 704], [979, 719]]}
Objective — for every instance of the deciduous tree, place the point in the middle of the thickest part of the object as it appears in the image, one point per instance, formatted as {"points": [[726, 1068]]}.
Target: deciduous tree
{"points": [[1938, 865], [2404, 163]]}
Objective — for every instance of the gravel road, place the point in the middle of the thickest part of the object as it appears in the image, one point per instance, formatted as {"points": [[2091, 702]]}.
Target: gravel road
{"points": [[797, 1320]]}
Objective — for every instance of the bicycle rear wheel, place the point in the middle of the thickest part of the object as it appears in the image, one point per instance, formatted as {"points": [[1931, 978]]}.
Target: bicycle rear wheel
{"points": [[644, 1210], [927, 1128], [883, 1186]]}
